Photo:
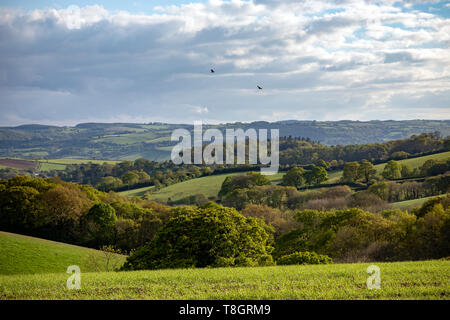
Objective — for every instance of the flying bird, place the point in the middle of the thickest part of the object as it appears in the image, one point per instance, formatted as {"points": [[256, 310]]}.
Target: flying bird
{"points": [[212, 71], [260, 88]]}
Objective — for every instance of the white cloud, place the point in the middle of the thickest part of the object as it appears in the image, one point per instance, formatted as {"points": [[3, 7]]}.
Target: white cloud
{"points": [[315, 59], [200, 110]]}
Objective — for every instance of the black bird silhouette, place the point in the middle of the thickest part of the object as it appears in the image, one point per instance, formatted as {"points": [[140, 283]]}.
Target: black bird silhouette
{"points": [[260, 88], [212, 71]]}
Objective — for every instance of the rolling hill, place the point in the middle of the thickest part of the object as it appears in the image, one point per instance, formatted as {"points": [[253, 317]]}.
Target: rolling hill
{"points": [[209, 186], [413, 163], [412, 203], [129, 141], [47, 165], [28, 255]]}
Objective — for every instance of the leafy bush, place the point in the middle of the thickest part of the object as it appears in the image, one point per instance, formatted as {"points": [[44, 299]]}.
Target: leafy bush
{"points": [[304, 258], [208, 236], [245, 181]]}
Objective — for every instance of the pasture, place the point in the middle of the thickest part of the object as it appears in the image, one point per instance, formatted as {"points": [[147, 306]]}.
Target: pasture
{"points": [[399, 280], [28, 255], [209, 186], [412, 203]]}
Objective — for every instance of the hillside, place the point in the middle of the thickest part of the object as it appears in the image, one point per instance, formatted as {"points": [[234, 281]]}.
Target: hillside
{"points": [[412, 203], [413, 163], [28, 255], [400, 280], [128, 141], [47, 165], [209, 186]]}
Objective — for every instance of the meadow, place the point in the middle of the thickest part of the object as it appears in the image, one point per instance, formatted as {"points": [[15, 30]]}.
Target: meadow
{"points": [[61, 164], [47, 165], [209, 186], [413, 163], [28, 255], [400, 280], [139, 192], [412, 203]]}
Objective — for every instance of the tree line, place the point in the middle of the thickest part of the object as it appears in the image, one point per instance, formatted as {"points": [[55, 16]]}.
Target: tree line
{"points": [[212, 235], [293, 152]]}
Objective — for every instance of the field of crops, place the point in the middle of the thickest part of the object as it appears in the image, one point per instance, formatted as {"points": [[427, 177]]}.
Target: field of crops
{"points": [[18, 164], [403, 280], [27, 255]]}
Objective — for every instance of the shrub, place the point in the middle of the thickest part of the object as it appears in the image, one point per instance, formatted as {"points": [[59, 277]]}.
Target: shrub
{"points": [[208, 236], [304, 258], [399, 155], [246, 181], [294, 177], [367, 201]]}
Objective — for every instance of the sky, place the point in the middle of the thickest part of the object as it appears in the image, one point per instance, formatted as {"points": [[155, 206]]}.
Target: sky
{"points": [[67, 62]]}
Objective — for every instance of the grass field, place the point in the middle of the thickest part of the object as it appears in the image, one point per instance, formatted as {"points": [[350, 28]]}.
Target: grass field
{"points": [[140, 192], [209, 186], [412, 203], [413, 163], [402, 280], [61, 164], [47, 165], [79, 161], [28, 255]]}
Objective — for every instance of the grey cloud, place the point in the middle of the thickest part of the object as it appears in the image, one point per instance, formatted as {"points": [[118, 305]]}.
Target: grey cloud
{"points": [[130, 68]]}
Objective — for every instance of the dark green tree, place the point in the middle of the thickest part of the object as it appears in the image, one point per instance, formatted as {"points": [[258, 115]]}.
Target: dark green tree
{"points": [[294, 177], [316, 175], [366, 171], [392, 170], [350, 173], [211, 235]]}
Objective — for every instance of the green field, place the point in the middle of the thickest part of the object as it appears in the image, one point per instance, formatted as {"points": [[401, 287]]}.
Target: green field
{"points": [[413, 163], [401, 280], [61, 164], [140, 192], [412, 203], [28, 255], [49, 166], [79, 161], [209, 186]]}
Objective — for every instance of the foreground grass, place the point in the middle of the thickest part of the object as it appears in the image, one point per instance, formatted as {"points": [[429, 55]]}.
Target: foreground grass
{"points": [[404, 280], [27, 255]]}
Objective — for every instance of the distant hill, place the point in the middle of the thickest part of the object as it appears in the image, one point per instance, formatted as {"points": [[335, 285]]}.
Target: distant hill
{"points": [[129, 141]]}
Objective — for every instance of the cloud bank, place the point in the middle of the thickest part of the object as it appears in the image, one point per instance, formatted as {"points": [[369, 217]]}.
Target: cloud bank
{"points": [[322, 60]]}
